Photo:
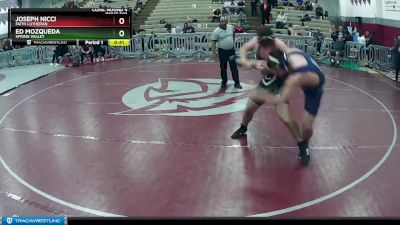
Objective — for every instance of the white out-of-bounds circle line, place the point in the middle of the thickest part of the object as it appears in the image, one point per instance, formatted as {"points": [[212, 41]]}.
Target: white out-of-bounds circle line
{"points": [[272, 213], [352, 184]]}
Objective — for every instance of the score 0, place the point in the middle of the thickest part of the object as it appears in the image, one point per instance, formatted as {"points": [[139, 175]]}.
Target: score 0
{"points": [[121, 21]]}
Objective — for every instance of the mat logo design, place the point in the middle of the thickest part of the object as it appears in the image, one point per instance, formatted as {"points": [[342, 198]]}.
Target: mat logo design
{"points": [[9, 220], [184, 97]]}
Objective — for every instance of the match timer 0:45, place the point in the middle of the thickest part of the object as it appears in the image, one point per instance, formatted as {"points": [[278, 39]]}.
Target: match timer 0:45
{"points": [[118, 42]]}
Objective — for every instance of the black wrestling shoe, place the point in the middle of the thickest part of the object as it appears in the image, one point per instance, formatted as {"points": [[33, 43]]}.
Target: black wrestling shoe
{"points": [[239, 133], [304, 157], [238, 86], [223, 86]]}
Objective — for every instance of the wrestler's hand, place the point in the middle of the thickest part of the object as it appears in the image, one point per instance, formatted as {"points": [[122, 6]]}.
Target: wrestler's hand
{"points": [[247, 64], [261, 65]]}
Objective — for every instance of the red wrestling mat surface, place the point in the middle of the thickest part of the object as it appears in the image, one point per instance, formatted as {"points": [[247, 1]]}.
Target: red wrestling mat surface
{"points": [[153, 139]]}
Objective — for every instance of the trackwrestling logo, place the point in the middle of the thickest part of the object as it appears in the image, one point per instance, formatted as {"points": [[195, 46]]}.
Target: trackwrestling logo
{"points": [[28, 220], [184, 97]]}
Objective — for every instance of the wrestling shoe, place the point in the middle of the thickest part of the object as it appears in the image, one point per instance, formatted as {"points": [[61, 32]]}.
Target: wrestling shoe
{"points": [[239, 133]]}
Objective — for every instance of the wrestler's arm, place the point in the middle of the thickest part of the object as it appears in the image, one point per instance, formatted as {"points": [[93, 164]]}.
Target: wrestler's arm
{"points": [[281, 45], [244, 51], [262, 64]]}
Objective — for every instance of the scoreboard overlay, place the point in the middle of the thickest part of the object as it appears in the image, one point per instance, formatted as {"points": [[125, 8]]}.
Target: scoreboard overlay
{"points": [[69, 26]]}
